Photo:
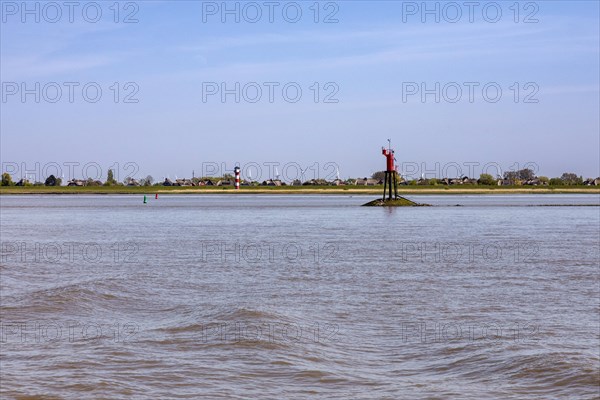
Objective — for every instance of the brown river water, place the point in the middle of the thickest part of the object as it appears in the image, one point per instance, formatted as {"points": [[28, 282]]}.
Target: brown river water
{"points": [[299, 297]]}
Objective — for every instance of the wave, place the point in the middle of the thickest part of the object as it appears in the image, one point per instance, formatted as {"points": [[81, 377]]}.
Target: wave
{"points": [[70, 298], [548, 373]]}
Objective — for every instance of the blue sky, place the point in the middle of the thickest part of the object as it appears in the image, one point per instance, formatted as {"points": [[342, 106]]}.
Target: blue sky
{"points": [[370, 57]]}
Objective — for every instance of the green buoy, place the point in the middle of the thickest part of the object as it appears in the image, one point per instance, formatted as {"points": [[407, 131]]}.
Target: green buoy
{"points": [[144, 199]]}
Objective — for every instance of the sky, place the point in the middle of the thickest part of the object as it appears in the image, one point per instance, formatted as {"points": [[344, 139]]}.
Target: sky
{"points": [[298, 89]]}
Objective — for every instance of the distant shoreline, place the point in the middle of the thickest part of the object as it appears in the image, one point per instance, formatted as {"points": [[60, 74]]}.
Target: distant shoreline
{"points": [[337, 190]]}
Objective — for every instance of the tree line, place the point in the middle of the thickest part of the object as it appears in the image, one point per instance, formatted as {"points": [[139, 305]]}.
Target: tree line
{"points": [[515, 178]]}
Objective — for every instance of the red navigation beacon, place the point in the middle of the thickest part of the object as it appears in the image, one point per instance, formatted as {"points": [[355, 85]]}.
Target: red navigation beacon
{"points": [[389, 155], [390, 182]]}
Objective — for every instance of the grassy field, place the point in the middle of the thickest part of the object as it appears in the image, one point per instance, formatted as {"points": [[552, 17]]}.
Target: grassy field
{"points": [[355, 190]]}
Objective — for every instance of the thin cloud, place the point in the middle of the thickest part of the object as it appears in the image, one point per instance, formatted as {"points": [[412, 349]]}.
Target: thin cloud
{"points": [[19, 68]]}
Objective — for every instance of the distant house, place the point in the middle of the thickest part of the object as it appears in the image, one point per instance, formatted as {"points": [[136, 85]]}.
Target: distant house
{"points": [[207, 182], [296, 182], [368, 182], [22, 182], [533, 182], [465, 180], [76, 182], [272, 182], [167, 182], [249, 183], [225, 182], [184, 182], [592, 182], [132, 182], [338, 182]]}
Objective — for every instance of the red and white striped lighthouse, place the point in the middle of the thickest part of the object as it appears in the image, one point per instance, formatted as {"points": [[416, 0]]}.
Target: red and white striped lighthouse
{"points": [[236, 170]]}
